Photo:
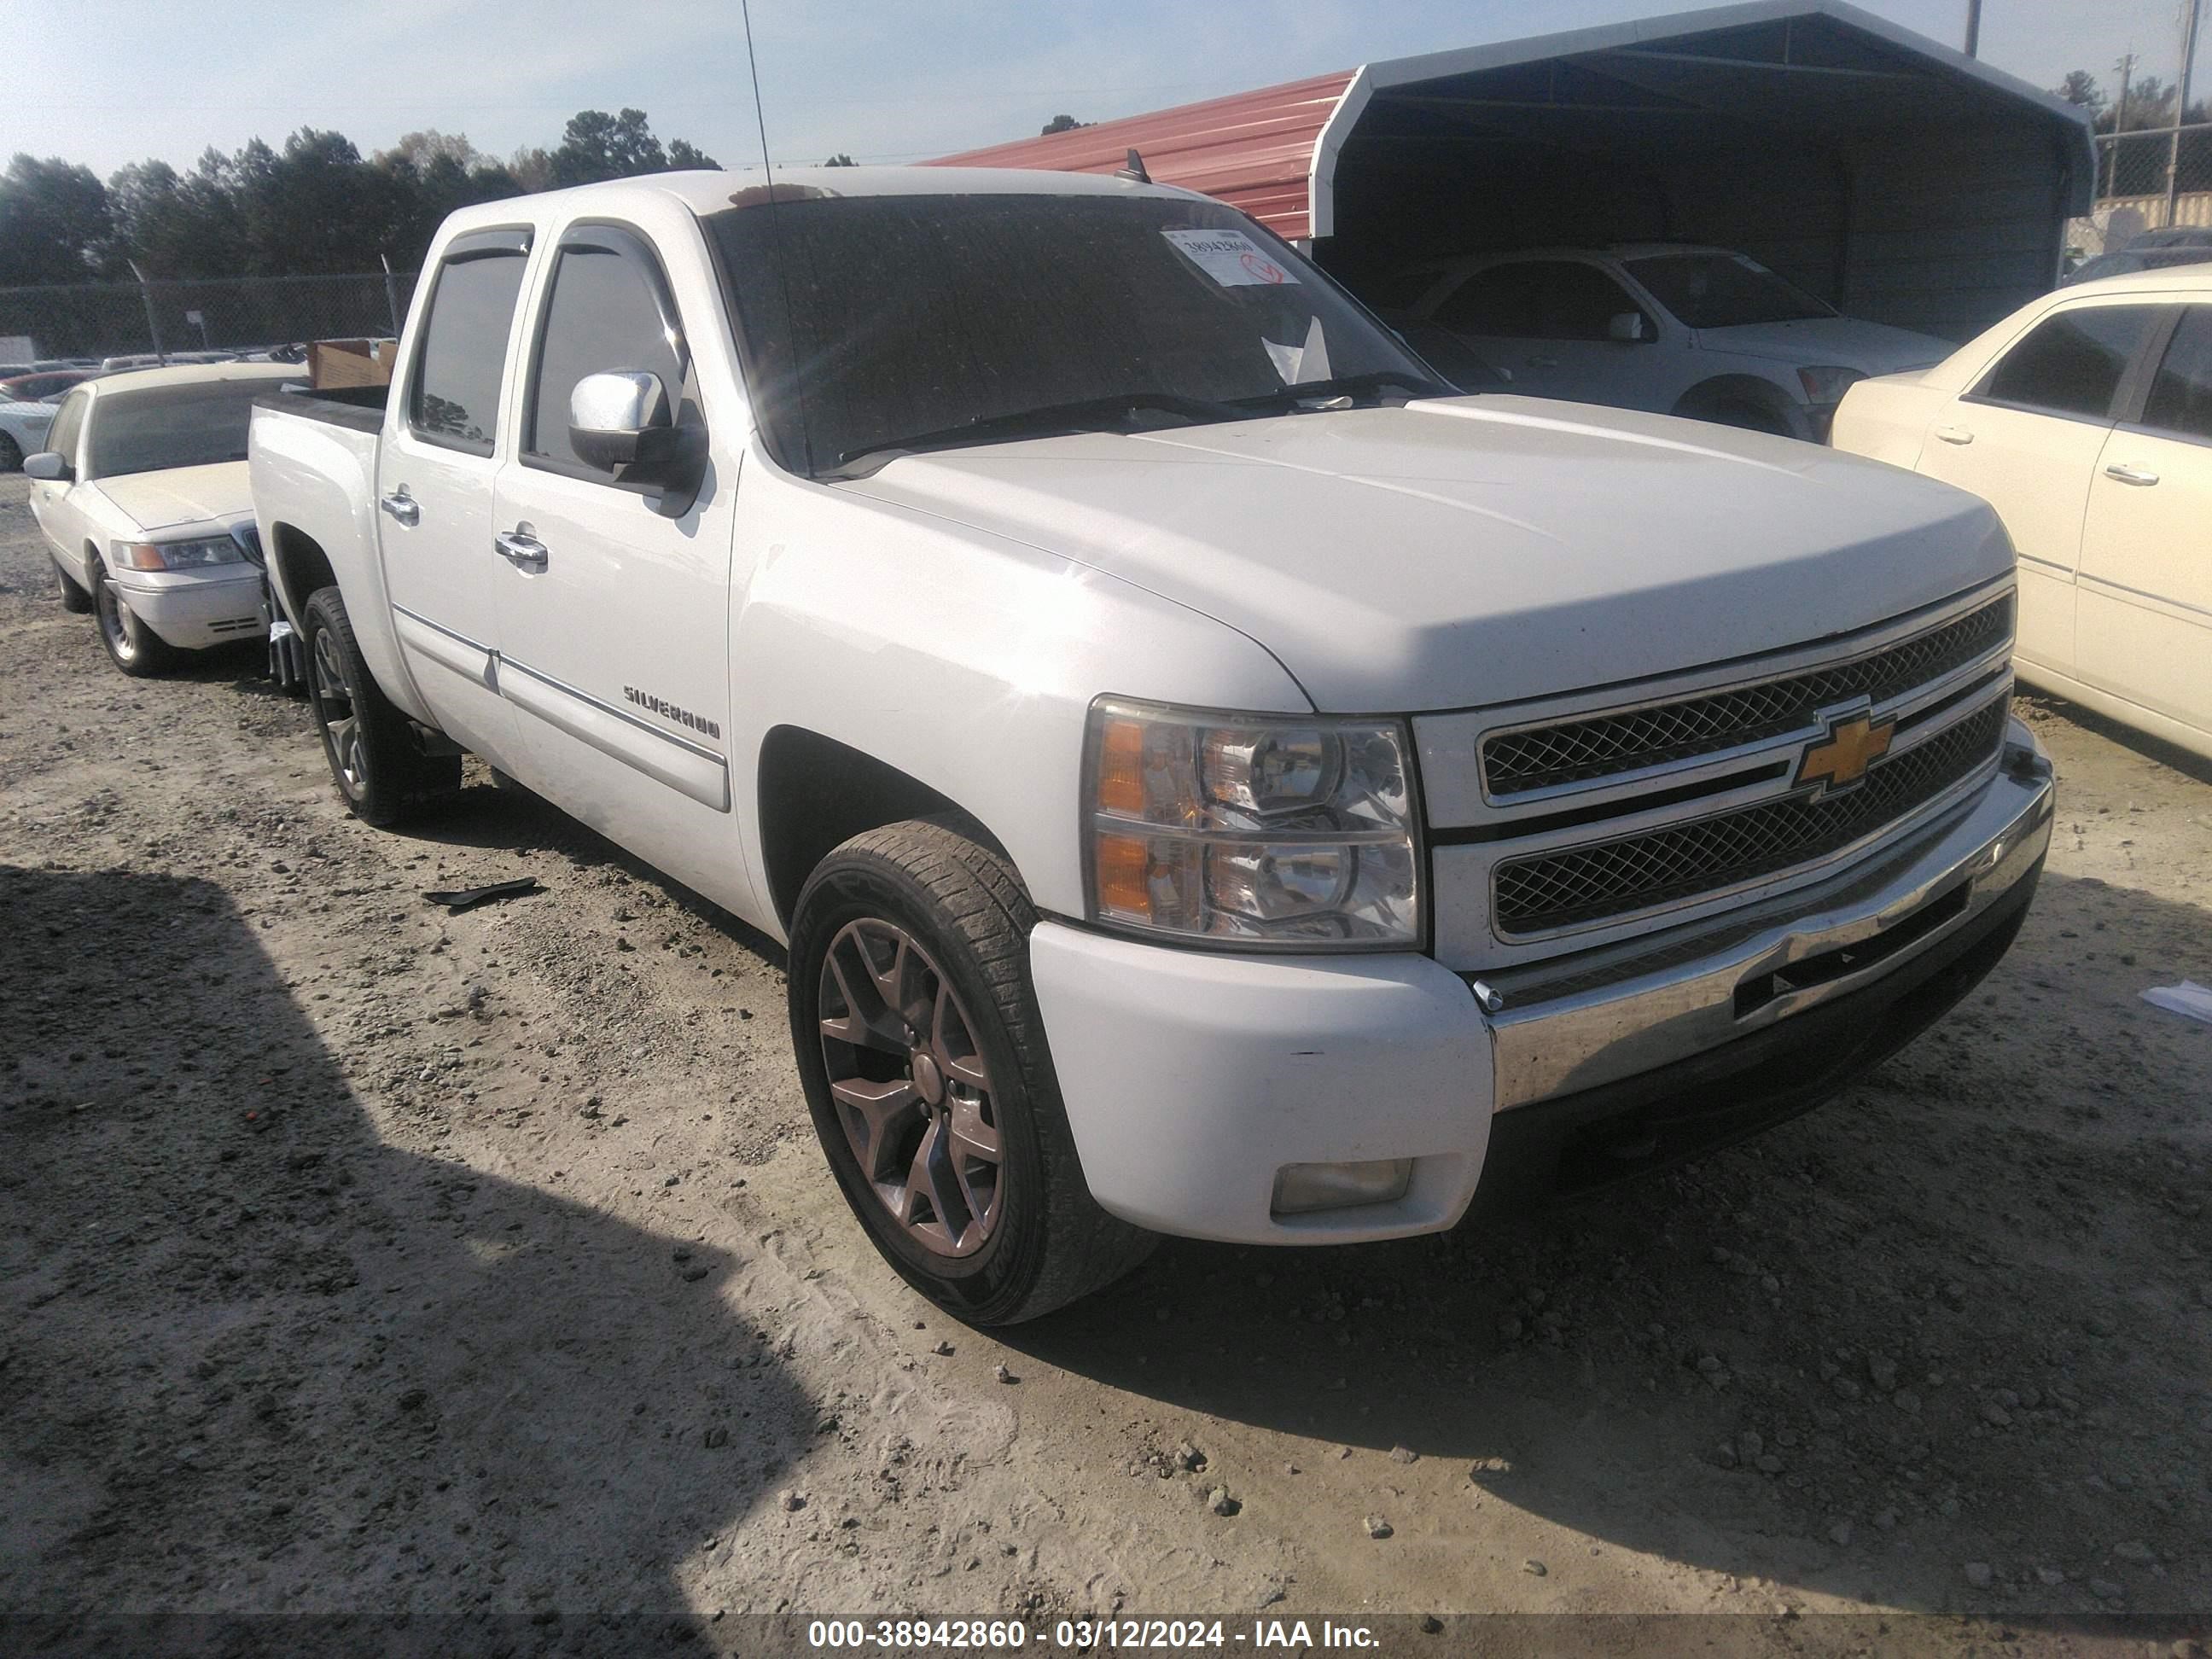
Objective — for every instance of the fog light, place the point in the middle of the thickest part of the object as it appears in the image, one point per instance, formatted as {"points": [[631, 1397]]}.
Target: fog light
{"points": [[1300, 1187]]}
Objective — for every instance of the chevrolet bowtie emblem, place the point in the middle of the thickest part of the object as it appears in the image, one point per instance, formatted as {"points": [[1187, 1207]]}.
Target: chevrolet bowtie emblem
{"points": [[1840, 758]]}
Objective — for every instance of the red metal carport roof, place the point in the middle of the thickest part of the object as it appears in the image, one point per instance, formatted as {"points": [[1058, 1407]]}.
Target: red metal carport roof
{"points": [[1252, 149]]}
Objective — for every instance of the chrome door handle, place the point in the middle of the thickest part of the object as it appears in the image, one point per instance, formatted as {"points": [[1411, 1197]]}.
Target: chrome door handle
{"points": [[520, 549], [2131, 474], [1541, 362], [1954, 434], [403, 508]]}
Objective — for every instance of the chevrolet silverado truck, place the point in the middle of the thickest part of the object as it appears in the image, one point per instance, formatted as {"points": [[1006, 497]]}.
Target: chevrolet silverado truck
{"points": [[1210, 777]]}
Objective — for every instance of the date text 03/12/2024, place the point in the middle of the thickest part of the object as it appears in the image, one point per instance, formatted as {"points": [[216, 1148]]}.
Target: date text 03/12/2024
{"points": [[1085, 1635]]}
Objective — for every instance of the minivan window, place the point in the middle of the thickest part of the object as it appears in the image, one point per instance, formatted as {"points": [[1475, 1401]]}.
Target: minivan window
{"points": [[2071, 364], [2181, 395], [601, 316], [868, 319], [455, 401]]}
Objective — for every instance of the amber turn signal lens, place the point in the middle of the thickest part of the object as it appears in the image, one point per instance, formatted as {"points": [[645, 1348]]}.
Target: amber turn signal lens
{"points": [[1121, 769], [1124, 865]]}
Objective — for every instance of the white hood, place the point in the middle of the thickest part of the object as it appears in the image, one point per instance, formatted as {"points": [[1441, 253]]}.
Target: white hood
{"points": [[1870, 348], [1481, 550], [217, 495]]}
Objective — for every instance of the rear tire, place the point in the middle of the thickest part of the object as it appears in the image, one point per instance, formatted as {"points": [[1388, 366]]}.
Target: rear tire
{"points": [[380, 768], [75, 599], [11, 455], [923, 1056], [131, 646]]}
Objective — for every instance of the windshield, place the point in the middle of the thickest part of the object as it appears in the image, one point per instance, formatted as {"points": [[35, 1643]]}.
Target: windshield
{"points": [[1721, 290], [162, 427], [916, 316]]}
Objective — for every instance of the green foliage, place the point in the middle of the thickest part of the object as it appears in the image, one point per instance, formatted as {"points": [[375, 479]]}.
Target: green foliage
{"points": [[317, 206], [54, 223], [1061, 123], [839, 160]]}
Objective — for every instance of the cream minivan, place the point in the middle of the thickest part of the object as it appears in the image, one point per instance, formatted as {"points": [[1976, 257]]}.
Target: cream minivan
{"points": [[2085, 418]]}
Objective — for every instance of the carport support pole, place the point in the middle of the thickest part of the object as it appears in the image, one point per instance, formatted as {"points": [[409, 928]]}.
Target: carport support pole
{"points": [[2180, 112], [153, 321], [1974, 28]]}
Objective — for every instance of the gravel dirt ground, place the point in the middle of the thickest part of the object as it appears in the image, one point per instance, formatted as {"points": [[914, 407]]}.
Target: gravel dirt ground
{"points": [[356, 1257]]}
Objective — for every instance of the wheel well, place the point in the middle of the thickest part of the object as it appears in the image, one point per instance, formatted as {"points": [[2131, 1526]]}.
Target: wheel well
{"points": [[1725, 389], [816, 793], [299, 565]]}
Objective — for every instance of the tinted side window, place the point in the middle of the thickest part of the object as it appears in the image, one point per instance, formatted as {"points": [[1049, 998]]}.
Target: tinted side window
{"points": [[2071, 364], [69, 421], [2181, 396], [601, 316], [455, 398], [1553, 299], [1499, 301]]}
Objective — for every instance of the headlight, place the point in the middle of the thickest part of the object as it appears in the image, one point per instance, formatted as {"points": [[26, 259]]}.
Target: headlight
{"points": [[1827, 383], [1251, 830], [177, 556]]}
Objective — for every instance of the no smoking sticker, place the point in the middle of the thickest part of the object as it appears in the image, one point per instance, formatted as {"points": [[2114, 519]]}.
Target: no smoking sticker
{"points": [[1231, 258]]}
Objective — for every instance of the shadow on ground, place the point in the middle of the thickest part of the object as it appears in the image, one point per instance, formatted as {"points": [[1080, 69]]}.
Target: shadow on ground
{"points": [[1957, 1314], [257, 1360]]}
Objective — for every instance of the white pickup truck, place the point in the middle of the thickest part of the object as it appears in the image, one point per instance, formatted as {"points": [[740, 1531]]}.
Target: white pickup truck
{"points": [[1213, 778]]}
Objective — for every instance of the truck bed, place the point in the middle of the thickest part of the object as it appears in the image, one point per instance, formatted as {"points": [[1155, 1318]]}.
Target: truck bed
{"points": [[360, 407]]}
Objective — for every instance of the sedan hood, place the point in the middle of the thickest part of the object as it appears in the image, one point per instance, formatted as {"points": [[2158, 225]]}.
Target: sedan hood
{"points": [[1477, 550], [218, 496], [1870, 348]]}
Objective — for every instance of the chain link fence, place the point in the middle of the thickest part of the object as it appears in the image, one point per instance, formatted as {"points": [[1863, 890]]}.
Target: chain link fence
{"points": [[238, 313], [2156, 178]]}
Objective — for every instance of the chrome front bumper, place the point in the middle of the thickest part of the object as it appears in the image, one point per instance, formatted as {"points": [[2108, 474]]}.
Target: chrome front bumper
{"points": [[1571, 1025]]}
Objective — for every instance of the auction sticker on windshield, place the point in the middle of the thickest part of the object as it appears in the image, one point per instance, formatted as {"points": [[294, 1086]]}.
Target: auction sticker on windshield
{"points": [[1230, 256]]}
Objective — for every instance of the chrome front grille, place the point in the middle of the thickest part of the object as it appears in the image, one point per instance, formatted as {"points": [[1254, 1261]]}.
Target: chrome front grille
{"points": [[1575, 822], [1590, 883], [1571, 751]]}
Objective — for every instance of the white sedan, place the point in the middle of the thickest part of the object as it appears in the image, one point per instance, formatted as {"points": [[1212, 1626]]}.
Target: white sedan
{"points": [[138, 491], [2085, 418], [23, 424]]}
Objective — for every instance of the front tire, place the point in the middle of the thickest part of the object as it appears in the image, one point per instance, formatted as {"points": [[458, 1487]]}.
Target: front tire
{"points": [[75, 599], [11, 455], [379, 766], [132, 646], [924, 1061]]}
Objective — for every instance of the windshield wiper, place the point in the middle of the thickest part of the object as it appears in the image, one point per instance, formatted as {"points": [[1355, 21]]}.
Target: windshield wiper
{"points": [[1347, 386], [1082, 415]]}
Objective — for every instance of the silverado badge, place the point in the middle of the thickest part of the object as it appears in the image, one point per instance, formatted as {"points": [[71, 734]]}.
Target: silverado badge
{"points": [[1839, 758]]}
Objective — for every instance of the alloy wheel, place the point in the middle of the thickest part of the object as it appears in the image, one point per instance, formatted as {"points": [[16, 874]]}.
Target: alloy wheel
{"points": [[911, 1088], [341, 721]]}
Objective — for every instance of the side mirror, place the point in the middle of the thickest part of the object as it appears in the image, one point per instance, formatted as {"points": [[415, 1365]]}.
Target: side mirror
{"points": [[609, 413], [46, 464], [1626, 327]]}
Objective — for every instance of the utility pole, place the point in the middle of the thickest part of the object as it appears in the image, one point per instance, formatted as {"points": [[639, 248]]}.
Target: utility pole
{"points": [[1974, 28], [2180, 109], [2127, 69]]}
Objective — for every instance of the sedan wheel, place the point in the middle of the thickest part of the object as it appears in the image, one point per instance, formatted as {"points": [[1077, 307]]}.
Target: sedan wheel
{"points": [[135, 648]]}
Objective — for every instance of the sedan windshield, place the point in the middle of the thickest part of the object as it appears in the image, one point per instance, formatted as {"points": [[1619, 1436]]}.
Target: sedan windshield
{"points": [[1721, 291], [874, 324], [167, 426]]}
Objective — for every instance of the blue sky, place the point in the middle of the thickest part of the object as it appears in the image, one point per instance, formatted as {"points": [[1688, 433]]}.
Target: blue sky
{"points": [[107, 83]]}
